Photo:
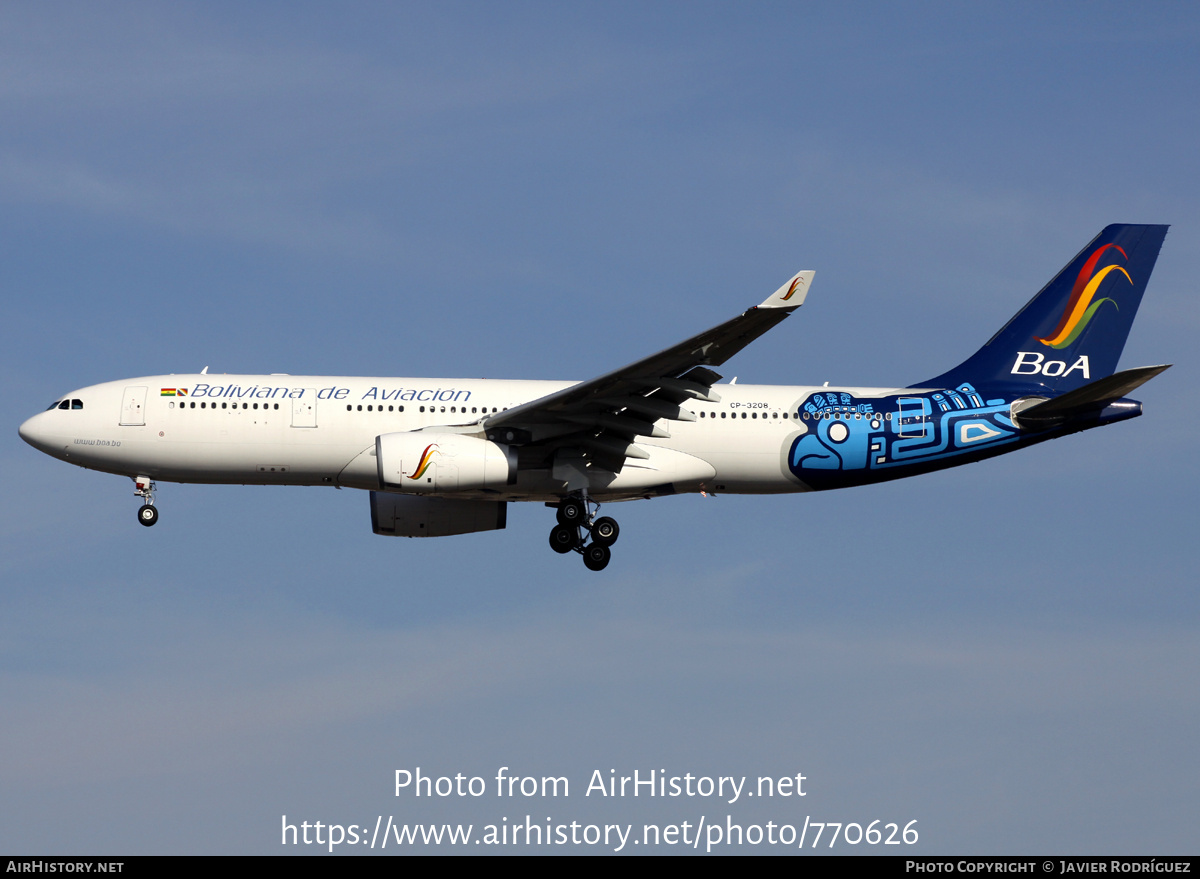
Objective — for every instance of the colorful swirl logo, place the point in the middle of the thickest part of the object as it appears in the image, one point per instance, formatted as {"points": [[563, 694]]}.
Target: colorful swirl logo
{"points": [[426, 460], [792, 289], [1080, 307]]}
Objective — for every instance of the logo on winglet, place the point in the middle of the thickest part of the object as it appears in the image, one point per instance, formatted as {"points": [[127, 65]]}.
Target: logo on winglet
{"points": [[1080, 307], [792, 289]]}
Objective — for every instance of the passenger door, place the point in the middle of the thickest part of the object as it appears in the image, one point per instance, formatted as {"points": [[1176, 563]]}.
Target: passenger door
{"points": [[304, 409]]}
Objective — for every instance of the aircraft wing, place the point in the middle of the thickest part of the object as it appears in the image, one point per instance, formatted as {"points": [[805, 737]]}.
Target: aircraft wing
{"points": [[601, 417]]}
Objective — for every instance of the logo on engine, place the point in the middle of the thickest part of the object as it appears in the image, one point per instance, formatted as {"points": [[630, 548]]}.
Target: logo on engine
{"points": [[426, 460]]}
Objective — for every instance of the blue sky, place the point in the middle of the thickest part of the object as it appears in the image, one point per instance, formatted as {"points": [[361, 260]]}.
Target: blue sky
{"points": [[1006, 652]]}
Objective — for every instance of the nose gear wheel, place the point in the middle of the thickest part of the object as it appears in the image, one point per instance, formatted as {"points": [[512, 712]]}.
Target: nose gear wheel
{"points": [[147, 513]]}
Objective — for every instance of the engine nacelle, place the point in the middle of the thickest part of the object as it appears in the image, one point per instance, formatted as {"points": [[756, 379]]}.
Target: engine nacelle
{"points": [[426, 462], [401, 515]]}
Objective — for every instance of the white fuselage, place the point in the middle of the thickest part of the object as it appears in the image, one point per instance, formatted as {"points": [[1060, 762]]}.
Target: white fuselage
{"points": [[321, 430]]}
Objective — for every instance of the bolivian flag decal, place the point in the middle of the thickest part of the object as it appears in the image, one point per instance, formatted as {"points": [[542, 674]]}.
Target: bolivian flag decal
{"points": [[174, 392]]}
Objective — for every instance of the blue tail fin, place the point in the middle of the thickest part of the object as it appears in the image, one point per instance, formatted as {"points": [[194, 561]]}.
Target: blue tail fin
{"points": [[1074, 330]]}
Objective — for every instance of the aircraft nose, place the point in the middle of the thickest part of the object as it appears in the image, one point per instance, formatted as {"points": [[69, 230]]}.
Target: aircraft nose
{"points": [[34, 432]]}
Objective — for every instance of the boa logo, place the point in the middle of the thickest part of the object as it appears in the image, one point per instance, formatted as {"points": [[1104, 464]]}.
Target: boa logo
{"points": [[1033, 363], [1080, 307]]}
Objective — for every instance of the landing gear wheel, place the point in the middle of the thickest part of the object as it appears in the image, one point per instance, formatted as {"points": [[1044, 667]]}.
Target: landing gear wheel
{"points": [[596, 556], [147, 515], [572, 512], [564, 538], [605, 531]]}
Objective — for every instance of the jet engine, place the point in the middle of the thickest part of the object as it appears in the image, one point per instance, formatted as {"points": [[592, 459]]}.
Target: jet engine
{"points": [[428, 462]]}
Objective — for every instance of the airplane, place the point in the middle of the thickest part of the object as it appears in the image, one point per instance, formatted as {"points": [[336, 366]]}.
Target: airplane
{"points": [[445, 456]]}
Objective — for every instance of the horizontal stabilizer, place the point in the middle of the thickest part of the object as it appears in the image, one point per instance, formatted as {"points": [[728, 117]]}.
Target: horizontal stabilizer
{"points": [[1092, 396]]}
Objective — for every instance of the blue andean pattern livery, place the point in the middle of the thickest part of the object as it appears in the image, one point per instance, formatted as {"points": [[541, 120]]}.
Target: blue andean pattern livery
{"points": [[851, 434]]}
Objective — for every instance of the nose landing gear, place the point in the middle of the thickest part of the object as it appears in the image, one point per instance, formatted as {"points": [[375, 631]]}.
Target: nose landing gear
{"points": [[147, 513], [577, 530]]}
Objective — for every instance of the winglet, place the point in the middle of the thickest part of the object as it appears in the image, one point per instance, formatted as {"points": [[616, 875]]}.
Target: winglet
{"points": [[792, 293]]}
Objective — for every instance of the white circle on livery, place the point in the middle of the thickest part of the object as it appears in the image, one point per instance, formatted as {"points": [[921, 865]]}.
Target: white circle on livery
{"points": [[838, 432]]}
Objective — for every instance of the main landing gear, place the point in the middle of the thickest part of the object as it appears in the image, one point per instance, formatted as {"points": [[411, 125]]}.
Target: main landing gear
{"points": [[147, 513], [577, 530]]}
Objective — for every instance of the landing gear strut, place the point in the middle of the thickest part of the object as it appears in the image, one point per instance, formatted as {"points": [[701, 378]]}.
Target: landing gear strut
{"points": [[578, 530], [147, 513]]}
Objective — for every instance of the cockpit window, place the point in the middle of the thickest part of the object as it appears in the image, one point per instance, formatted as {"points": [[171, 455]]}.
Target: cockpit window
{"points": [[53, 405], [65, 404], [77, 404]]}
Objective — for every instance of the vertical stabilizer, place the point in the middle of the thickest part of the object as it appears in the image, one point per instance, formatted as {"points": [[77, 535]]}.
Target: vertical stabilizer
{"points": [[1073, 331]]}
